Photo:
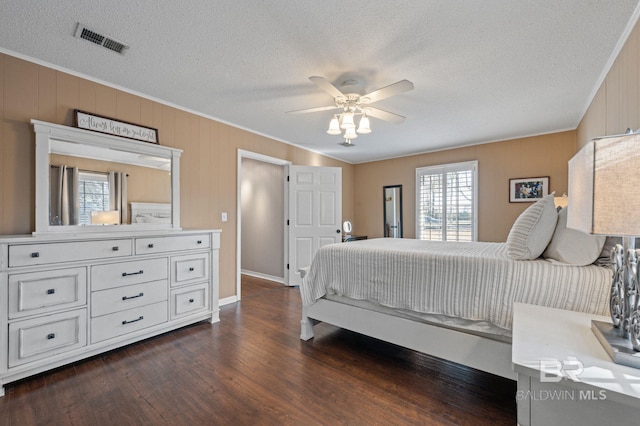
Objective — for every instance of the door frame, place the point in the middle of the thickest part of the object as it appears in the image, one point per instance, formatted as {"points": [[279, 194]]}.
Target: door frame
{"points": [[267, 159]]}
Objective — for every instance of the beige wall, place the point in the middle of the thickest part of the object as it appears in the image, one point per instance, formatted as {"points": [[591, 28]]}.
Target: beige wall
{"points": [[616, 105], [208, 164], [262, 218], [497, 163]]}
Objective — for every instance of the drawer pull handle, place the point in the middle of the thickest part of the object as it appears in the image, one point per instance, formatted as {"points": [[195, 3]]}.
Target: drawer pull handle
{"points": [[51, 336], [190, 300], [199, 241], [115, 248], [132, 297], [150, 245], [51, 291], [35, 254], [126, 274], [140, 318], [191, 269]]}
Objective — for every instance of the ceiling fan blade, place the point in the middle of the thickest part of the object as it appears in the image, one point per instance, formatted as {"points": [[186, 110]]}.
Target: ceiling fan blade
{"points": [[302, 111], [322, 83], [384, 115], [388, 91]]}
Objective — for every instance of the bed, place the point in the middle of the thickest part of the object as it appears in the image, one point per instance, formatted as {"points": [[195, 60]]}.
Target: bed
{"points": [[150, 213], [450, 300]]}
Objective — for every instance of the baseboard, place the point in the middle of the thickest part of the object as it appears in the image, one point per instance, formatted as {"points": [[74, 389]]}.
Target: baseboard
{"points": [[228, 300], [263, 276]]}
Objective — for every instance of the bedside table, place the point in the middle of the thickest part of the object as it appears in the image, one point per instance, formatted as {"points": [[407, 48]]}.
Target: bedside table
{"points": [[347, 238], [549, 347]]}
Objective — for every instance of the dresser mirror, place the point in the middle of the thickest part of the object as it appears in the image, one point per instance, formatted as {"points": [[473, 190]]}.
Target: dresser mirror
{"points": [[93, 182]]}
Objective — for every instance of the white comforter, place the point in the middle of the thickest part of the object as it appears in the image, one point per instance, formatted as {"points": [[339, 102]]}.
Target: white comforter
{"points": [[473, 281]]}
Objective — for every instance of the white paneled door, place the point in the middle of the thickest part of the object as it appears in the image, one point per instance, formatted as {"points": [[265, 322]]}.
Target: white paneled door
{"points": [[314, 215]]}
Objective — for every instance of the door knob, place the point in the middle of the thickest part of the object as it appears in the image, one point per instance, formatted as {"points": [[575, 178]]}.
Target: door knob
{"points": [[337, 231]]}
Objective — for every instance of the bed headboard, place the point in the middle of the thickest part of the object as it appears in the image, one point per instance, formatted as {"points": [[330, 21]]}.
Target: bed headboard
{"points": [[150, 213]]}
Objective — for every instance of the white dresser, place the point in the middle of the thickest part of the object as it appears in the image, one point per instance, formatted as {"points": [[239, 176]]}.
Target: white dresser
{"points": [[65, 298]]}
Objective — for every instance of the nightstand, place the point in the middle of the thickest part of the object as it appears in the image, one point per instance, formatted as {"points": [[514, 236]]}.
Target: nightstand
{"points": [[549, 347], [347, 238]]}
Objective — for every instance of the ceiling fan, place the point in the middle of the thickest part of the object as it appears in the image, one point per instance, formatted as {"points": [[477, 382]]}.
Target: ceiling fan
{"points": [[352, 103]]}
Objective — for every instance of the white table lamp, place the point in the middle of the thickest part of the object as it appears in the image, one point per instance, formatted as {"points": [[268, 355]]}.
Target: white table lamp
{"points": [[106, 217], [603, 188]]}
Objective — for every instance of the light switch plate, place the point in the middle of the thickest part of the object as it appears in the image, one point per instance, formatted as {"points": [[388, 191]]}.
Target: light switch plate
{"points": [[224, 216]]}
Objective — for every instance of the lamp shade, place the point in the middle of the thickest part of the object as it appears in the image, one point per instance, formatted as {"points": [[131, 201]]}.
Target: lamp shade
{"points": [[107, 217], [363, 126], [603, 187], [350, 133], [347, 121], [334, 127]]}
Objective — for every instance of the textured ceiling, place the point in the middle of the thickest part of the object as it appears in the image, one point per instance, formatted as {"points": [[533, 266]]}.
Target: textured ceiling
{"points": [[483, 70]]}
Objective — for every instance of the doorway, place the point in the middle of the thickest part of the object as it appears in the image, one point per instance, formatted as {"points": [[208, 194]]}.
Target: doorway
{"points": [[260, 217]]}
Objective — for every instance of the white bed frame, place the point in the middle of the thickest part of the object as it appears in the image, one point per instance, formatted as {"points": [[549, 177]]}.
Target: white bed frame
{"points": [[474, 351], [159, 210]]}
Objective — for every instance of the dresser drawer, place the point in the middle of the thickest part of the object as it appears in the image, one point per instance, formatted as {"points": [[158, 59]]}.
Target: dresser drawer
{"points": [[45, 253], [126, 273], [119, 323], [40, 292], [127, 297], [189, 300], [42, 337], [189, 269], [172, 243]]}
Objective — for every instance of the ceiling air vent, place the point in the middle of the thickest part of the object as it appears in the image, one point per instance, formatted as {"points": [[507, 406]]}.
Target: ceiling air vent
{"points": [[100, 39]]}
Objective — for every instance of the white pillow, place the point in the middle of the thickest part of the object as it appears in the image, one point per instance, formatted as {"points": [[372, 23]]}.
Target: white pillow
{"points": [[532, 230], [152, 219], [139, 219], [571, 246]]}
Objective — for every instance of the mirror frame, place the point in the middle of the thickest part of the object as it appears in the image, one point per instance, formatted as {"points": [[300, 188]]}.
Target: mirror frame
{"points": [[46, 133], [384, 209]]}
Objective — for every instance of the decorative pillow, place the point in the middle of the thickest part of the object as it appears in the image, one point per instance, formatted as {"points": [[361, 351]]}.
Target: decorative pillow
{"points": [[152, 219], [139, 219], [532, 230], [571, 246]]}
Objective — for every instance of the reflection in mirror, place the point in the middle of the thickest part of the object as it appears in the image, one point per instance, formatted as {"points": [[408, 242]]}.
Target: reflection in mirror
{"points": [[392, 199], [80, 187], [86, 178], [78, 196]]}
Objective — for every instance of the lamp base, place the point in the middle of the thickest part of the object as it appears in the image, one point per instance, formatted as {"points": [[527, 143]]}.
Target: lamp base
{"points": [[619, 349]]}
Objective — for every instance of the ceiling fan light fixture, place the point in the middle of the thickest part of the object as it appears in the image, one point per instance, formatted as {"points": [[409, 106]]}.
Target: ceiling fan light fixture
{"points": [[347, 121], [352, 104], [364, 126], [334, 126], [350, 133]]}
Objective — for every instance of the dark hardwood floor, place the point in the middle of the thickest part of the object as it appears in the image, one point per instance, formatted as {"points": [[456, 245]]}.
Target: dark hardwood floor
{"points": [[252, 368]]}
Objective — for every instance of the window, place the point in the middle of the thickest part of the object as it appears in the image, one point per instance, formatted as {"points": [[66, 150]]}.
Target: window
{"points": [[446, 202], [93, 194]]}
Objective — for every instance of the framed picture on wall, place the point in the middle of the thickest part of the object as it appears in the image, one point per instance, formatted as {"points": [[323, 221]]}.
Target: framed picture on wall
{"points": [[527, 190]]}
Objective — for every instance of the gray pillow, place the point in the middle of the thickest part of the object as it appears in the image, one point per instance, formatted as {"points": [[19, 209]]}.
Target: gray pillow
{"points": [[532, 230], [571, 246]]}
